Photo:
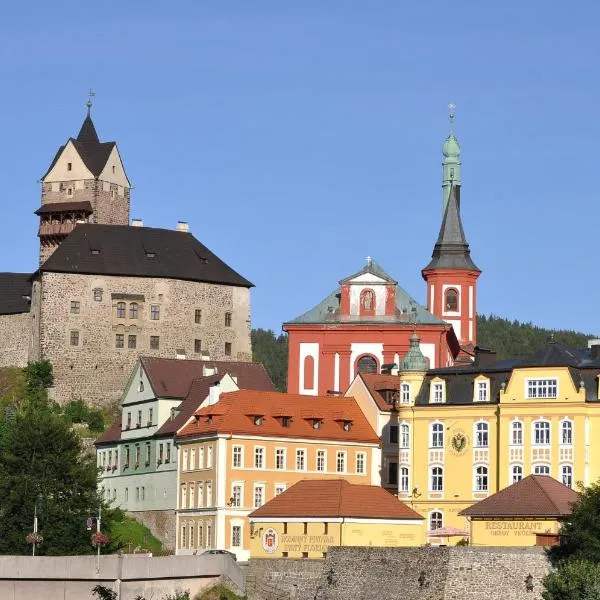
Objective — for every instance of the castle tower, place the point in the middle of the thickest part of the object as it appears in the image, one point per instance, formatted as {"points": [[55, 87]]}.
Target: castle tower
{"points": [[451, 275], [85, 183]]}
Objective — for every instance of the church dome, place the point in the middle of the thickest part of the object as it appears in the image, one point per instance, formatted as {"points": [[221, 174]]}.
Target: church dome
{"points": [[414, 360], [451, 147]]}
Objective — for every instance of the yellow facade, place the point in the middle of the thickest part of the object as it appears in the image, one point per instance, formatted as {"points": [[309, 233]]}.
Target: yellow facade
{"points": [[509, 532], [454, 451], [244, 472], [312, 538]]}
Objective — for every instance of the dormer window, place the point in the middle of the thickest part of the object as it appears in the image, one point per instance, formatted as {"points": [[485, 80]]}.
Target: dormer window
{"points": [[481, 390], [437, 393], [258, 420], [209, 419], [286, 421], [316, 423], [95, 251], [347, 425], [451, 302]]}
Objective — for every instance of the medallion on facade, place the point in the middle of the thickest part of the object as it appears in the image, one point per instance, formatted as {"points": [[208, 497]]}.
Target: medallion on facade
{"points": [[459, 443], [270, 541]]}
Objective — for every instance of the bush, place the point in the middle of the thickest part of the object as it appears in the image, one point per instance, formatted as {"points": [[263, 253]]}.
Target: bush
{"points": [[76, 411], [574, 580], [95, 420]]}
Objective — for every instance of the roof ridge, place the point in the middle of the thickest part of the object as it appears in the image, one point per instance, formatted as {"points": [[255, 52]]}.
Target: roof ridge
{"points": [[544, 492]]}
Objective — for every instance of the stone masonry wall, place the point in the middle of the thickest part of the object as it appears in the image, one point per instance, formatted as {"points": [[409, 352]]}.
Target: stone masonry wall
{"points": [[14, 333], [96, 370], [427, 573], [162, 524]]}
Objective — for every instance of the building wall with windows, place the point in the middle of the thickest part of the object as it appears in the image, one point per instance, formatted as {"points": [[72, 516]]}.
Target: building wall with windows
{"points": [[93, 328]]}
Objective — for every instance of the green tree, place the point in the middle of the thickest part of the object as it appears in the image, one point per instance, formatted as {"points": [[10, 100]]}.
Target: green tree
{"points": [[574, 580], [42, 464], [39, 375], [580, 532], [272, 352]]}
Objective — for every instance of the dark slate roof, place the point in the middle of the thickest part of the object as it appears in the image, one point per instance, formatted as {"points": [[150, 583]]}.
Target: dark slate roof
{"points": [[451, 250], [15, 293], [82, 205], [140, 252], [534, 496], [93, 152]]}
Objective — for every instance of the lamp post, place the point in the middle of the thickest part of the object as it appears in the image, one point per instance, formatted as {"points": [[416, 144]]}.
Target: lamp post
{"points": [[35, 523], [90, 521]]}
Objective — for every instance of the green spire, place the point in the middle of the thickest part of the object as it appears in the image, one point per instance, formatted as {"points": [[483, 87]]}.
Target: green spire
{"points": [[414, 360], [451, 162]]}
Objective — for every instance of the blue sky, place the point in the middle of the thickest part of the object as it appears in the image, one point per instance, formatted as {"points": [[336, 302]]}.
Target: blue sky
{"points": [[299, 137]]}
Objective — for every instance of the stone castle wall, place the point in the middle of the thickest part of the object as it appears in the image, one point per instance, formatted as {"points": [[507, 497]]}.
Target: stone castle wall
{"points": [[14, 333], [96, 369], [428, 573], [162, 524]]}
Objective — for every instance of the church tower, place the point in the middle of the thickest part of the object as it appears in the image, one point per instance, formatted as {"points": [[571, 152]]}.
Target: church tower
{"points": [[451, 275], [85, 183]]}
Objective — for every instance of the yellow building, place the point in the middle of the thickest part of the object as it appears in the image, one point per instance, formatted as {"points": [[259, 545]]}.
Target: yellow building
{"points": [[454, 436], [526, 513], [311, 516], [250, 446]]}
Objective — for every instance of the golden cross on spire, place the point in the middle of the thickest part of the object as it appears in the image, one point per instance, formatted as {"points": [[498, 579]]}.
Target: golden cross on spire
{"points": [[91, 94]]}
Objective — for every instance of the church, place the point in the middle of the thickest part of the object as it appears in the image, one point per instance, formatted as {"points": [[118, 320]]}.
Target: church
{"points": [[365, 325], [108, 289]]}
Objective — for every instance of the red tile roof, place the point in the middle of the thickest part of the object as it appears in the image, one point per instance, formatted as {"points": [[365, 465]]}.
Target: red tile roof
{"points": [[112, 434], [172, 378], [376, 383], [236, 411], [534, 496], [335, 498]]}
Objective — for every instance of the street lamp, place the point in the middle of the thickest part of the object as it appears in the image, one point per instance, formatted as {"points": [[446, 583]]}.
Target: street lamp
{"points": [[89, 524], [35, 524]]}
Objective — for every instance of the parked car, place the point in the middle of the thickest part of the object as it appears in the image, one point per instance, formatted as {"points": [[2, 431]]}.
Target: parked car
{"points": [[215, 551]]}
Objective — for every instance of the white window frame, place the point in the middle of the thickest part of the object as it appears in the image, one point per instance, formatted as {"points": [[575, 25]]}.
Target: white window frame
{"points": [[184, 460], [482, 390], [516, 426], [361, 459], [535, 386], [405, 393], [541, 466], [240, 529], [193, 459], [561, 474], [300, 452], [321, 454], [192, 495], [210, 455], [534, 431], [201, 457], [431, 476], [182, 497], [403, 479], [259, 451], [511, 473], [484, 435], [262, 487], [280, 453], [571, 430], [404, 435], [237, 502], [438, 392], [237, 452], [437, 435], [343, 455], [208, 487], [478, 478], [200, 495], [436, 511]]}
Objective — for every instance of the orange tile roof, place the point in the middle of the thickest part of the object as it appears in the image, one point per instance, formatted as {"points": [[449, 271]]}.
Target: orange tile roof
{"points": [[533, 496], [335, 498], [376, 383], [235, 413]]}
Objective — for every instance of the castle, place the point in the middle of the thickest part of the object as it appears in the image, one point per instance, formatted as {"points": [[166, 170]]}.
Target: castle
{"points": [[107, 291]]}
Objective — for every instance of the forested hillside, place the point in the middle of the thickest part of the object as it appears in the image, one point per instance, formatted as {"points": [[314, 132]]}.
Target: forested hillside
{"points": [[508, 338]]}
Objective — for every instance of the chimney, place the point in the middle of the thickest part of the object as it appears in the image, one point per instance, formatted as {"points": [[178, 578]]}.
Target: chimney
{"points": [[183, 226], [137, 223], [484, 357], [214, 392], [594, 347]]}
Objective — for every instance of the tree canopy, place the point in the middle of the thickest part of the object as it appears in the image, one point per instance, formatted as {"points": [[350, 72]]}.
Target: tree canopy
{"points": [[42, 464], [272, 352]]}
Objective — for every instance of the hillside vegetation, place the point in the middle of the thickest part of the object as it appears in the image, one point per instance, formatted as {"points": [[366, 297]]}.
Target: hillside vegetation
{"points": [[510, 339]]}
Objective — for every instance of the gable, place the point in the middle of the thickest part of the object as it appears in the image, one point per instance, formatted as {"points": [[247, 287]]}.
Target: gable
{"points": [[114, 171], [60, 169], [367, 278]]}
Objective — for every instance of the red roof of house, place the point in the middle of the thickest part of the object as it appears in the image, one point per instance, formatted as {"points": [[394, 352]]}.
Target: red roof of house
{"points": [[376, 383], [172, 378], [533, 496], [335, 498], [236, 412], [112, 434]]}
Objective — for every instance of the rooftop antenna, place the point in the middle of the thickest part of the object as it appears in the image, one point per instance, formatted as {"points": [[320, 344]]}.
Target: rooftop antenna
{"points": [[91, 94]]}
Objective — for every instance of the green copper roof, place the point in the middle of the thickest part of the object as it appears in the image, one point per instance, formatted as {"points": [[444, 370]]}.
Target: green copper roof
{"points": [[451, 148], [414, 360], [408, 310]]}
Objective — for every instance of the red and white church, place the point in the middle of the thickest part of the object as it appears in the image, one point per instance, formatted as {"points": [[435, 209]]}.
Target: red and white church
{"points": [[368, 321]]}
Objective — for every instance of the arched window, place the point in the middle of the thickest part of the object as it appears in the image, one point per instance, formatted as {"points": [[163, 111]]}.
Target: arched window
{"points": [[436, 435], [541, 470], [367, 302], [451, 303], [481, 435], [367, 364], [436, 520], [541, 433], [200, 535], [183, 537], [133, 310], [192, 539], [481, 479], [120, 310], [436, 480], [403, 483], [309, 373], [405, 393], [404, 436], [566, 475], [516, 433], [566, 432], [516, 473]]}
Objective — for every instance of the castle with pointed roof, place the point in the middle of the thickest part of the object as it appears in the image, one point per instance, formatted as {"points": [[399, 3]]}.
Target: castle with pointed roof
{"points": [[366, 324], [107, 291]]}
